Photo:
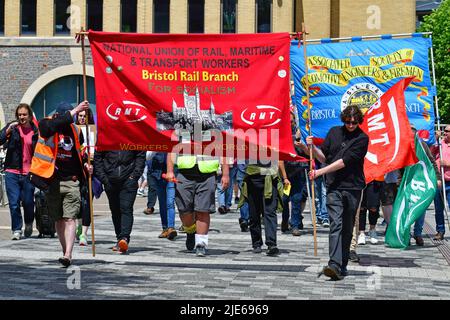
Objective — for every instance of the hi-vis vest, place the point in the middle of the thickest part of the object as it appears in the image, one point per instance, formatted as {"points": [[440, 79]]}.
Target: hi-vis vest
{"points": [[205, 166], [44, 158]]}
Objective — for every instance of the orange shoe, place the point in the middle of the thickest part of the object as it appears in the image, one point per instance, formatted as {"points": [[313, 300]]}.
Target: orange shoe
{"points": [[123, 245], [164, 233]]}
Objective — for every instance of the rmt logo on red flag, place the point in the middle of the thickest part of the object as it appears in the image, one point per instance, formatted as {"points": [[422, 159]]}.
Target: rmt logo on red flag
{"points": [[391, 142]]}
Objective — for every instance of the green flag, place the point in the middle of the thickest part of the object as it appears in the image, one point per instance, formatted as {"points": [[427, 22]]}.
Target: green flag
{"points": [[416, 191]]}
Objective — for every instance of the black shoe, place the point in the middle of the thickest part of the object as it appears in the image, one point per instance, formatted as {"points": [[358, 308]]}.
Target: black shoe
{"points": [[419, 241], [353, 257], [333, 273], [190, 241], [257, 250], [284, 227], [243, 224], [222, 210], [273, 251], [300, 226], [65, 261]]}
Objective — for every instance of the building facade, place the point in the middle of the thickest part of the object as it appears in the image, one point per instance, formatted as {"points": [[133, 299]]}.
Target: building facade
{"points": [[41, 61]]}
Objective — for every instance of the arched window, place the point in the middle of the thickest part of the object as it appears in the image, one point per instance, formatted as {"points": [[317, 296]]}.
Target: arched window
{"points": [[68, 89]]}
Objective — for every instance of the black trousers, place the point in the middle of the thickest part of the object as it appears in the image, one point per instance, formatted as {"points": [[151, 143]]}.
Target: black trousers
{"points": [[342, 206], [121, 197], [258, 206]]}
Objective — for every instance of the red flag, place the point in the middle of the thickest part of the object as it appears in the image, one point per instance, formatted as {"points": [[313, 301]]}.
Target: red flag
{"points": [[391, 141], [153, 89]]}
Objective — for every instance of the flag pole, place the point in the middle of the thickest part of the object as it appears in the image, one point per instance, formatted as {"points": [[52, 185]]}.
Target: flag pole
{"points": [[311, 158], [436, 105], [82, 34]]}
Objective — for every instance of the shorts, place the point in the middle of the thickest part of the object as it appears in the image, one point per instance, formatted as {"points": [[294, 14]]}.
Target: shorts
{"points": [[195, 193], [372, 195], [389, 193], [64, 199]]}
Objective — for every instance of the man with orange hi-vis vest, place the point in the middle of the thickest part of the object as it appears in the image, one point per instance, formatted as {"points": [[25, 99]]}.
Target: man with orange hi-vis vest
{"points": [[57, 158]]}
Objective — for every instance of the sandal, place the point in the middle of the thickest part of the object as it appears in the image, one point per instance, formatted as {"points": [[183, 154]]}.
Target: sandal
{"points": [[65, 261]]}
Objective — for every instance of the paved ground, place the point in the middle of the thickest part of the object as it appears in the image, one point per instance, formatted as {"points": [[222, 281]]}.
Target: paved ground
{"points": [[162, 269]]}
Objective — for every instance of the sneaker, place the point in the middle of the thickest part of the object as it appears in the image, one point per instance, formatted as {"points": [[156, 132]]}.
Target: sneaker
{"points": [[419, 241], [438, 236], [325, 224], [273, 251], [384, 223], [123, 245], [79, 231], [200, 251], [28, 230], [296, 232], [333, 273], [83, 240], [257, 250], [164, 233], [361, 239], [236, 200], [16, 235], [171, 233], [148, 211], [222, 210], [353, 257], [140, 192], [373, 238], [190, 241]]}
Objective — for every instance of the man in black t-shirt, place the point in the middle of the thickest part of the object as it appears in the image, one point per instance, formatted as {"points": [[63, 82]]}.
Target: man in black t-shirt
{"points": [[343, 152]]}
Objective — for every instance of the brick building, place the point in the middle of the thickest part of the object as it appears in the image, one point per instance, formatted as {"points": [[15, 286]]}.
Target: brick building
{"points": [[41, 62]]}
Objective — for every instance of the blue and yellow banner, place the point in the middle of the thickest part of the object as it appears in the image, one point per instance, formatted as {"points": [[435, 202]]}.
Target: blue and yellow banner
{"points": [[359, 72]]}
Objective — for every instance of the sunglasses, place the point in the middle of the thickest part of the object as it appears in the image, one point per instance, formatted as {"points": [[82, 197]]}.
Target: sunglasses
{"points": [[351, 122]]}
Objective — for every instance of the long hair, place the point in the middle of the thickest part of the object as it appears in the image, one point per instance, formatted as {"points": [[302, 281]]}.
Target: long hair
{"points": [[89, 117], [26, 106]]}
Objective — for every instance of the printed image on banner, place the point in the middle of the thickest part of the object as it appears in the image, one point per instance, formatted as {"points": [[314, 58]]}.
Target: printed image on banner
{"points": [[156, 91], [359, 72]]}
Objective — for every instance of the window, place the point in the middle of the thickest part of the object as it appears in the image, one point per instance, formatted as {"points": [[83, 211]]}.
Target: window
{"points": [[128, 12], [161, 14], [228, 16], [263, 16], [95, 15], [28, 17], [196, 16], [61, 16], [68, 89], [2, 16]]}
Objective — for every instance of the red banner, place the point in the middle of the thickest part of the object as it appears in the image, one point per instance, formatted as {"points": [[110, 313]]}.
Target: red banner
{"points": [[223, 94], [391, 141]]}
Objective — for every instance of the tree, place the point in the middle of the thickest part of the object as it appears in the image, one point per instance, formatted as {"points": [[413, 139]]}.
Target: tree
{"points": [[438, 22]]}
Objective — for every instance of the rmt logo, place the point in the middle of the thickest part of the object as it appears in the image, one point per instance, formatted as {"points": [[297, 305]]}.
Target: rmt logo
{"points": [[129, 112], [261, 116]]}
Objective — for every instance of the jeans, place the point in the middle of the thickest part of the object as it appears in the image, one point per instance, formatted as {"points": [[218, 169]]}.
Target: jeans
{"points": [[321, 200], [295, 197], [121, 197], [240, 174], [19, 189], [439, 213], [225, 197], [166, 198], [152, 190]]}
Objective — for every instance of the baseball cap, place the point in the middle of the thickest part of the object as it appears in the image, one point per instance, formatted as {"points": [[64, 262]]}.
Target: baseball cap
{"points": [[63, 107]]}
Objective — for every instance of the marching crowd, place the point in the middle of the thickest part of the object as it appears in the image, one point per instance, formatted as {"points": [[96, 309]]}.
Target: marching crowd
{"points": [[52, 156]]}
